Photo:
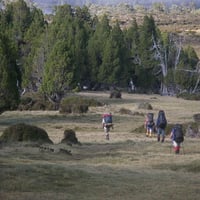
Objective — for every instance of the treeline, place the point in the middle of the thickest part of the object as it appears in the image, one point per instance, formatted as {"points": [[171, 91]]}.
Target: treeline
{"points": [[73, 49]]}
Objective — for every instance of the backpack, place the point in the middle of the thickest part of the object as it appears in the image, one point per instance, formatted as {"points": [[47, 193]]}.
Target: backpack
{"points": [[150, 121], [178, 135], [162, 121], [107, 118]]}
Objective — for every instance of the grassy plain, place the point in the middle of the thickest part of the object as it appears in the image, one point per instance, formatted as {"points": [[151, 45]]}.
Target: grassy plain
{"points": [[129, 166]]}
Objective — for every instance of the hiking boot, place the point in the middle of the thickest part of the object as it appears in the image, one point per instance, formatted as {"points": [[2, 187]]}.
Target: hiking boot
{"points": [[177, 152], [158, 138], [163, 139]]}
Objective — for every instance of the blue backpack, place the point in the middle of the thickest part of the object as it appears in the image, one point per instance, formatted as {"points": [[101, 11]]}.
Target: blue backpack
{"points": [[108, 118]]}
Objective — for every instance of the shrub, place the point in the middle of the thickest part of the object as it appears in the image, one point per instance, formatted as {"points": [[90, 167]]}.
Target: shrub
{"points": [[188, 96], [115, 94], [35, 102], [125, 111], [77, 104], [70, 137], [23, 132], [196, 117], [145, 105]]}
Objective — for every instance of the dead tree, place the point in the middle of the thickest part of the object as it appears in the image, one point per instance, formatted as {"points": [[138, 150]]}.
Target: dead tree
{"points": [[162, 54]]}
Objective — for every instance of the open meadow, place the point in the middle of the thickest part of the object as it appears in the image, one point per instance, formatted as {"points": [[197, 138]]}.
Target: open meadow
{"points": [[128, 166]]}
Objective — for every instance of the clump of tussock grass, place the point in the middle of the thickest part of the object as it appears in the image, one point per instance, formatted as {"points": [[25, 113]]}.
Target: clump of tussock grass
{"points": [[188, 96], [70, 137], [76, 104], [145, 105], [24, 133], [35, 102], [116, 94]]}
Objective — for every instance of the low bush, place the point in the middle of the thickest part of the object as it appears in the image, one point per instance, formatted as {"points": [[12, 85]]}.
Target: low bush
{"points": [[76, 104], [70, 137], [35, 102], [125, 111], [25, 133], [188, 96], [145, 105], [196, 117], [115, 94]]}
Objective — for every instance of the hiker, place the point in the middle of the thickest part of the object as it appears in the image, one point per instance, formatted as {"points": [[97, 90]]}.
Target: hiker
{"points": [[177, 137], [161, 124], [149, 124], [131, 86], [107, 123]]}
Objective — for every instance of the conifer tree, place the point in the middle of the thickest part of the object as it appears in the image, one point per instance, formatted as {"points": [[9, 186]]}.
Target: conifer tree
{"points": [[9, 74], [96, 46]]}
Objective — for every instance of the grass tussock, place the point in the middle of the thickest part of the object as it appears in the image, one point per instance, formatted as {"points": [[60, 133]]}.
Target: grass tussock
{"points": [[24, 133], [77, 104]]}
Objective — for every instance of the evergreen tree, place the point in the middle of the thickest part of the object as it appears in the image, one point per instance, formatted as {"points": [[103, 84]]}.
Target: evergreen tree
{"points": [[66, 57], [144, 71], [96, 46], [132, 44], [9, 74], [31, 51]]}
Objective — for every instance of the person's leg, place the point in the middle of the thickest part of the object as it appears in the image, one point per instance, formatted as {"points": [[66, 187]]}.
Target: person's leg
{"points": [[106, 129], [163, 135], [150, 131], [158, 134], [147, 131]]}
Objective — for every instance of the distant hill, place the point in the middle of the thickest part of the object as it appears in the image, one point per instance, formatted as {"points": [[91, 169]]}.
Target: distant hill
{"points": [[48, 5]]}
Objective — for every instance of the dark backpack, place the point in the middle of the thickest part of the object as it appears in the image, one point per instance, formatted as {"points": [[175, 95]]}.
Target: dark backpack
{"points": [[178, 133], [150, 121], [162, 121]]}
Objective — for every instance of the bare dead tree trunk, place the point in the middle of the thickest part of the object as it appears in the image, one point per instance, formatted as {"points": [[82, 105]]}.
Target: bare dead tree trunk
{"points": [[162, 56], [198, 80]]}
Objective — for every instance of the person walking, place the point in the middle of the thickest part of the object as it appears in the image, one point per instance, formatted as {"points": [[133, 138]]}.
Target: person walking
{"points": [[161, 124], [177, 137], [107, 123], [149, 124]]}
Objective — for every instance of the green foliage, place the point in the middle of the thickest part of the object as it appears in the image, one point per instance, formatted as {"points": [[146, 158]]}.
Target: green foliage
{"points": [[76, 104], [9, 74], [70, 137], [75, 48], [185, 75], [115, 94], [189, 96], [24, 133], [35, 102], [145, 105]]}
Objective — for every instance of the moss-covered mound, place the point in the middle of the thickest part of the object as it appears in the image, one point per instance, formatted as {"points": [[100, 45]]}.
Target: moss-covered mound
{"points": [[77, 104], [35, 102], [116, 94], [145, 105], [25, 133], [70, 137]]}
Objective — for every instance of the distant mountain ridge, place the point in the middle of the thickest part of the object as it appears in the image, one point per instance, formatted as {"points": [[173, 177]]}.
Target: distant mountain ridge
{"points": [[48, 5]]}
